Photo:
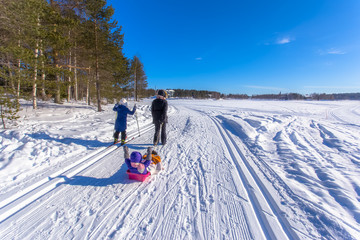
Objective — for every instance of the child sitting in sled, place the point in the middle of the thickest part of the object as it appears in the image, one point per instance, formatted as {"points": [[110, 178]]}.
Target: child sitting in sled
{"points": [[135, 162], [151, 162]]}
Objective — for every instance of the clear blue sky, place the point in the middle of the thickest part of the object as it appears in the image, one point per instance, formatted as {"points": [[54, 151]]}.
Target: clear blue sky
{"points": [[245, 46]]}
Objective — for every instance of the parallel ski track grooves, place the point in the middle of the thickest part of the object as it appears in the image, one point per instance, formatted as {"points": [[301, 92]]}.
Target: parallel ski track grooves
{"points": [[18, 201], [114, 210], [156, 202], [118, 204], [263, 217]]}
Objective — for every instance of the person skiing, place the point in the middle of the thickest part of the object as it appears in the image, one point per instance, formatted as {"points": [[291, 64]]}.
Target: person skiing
{"points": [[121, 119], [159, 109], [135, 162]]}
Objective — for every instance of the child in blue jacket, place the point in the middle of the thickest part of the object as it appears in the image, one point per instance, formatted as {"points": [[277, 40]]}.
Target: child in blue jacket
{"points": [[121, 119]]}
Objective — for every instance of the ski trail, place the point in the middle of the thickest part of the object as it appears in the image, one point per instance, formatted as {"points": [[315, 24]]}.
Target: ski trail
{"points": [[240, 219], [347, 115], [14, 204], [38, 190], [169, 193], [118, 209], [76, 167], [268, 214], [189, 202]]}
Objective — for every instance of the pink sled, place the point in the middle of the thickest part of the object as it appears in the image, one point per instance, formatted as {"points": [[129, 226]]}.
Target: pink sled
{"points": [[138, 177]]}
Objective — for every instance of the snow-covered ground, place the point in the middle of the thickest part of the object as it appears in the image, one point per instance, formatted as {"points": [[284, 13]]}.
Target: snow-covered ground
{"points": [[233, 170]]}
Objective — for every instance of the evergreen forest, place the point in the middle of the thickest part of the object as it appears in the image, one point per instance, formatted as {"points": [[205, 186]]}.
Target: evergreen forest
{"points": [[64, 50]]}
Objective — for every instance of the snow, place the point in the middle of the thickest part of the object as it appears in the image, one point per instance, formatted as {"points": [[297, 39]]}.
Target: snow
{"points": [[234, 169]]}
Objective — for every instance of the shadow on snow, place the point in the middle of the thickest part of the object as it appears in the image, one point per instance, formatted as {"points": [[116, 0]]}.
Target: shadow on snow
{"points": [[82, 142], [120, 177]]}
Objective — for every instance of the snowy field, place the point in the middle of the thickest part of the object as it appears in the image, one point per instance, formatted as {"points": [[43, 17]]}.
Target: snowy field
{"points": [[233, 170]]}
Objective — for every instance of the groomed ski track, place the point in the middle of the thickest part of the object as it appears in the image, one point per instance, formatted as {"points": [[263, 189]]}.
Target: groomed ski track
{"points": [[209, 190]]}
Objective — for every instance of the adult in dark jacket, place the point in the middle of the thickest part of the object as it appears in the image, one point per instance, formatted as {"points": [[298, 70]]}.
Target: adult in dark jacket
{"points": [[159, 109], [121, 120]]}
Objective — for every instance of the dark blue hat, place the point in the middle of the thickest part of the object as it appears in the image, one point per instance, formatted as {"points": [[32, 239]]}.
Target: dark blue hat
{"points": [[135, 157]]}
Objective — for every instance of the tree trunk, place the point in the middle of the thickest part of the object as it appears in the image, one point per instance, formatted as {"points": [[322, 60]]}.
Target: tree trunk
{"points": [[2, 116], [135, 82], [57, 90], [69, 79], [75, 76], [57, 76], [11, 75], [35, 76], [98, 96], [34, 90], [43, 76], [97, 80], [88, 89], [19, 74]]}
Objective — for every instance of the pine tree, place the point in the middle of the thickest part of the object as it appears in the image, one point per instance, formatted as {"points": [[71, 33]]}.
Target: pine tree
{"points": [[118, 67], [139, 77], [105, 47], [9, 105], [58, 40], [73, 10], [98, 17], [22, 48], [10, 47]]}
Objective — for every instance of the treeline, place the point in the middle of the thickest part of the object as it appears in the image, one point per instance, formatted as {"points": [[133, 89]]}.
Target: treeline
{"points": [[203, 94], [314, 96], [338, 96], [197, 94], [64, 50], [287, 96]]}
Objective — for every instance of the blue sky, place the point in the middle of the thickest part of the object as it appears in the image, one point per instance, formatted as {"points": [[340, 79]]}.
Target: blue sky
{"points": [[245, 46]]}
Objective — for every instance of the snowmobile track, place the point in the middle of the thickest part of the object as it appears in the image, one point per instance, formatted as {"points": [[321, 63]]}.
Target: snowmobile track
{"points": [[274, 225]]}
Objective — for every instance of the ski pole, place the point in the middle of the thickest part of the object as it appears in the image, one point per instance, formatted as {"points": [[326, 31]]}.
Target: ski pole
{"points": [[137, 121]]}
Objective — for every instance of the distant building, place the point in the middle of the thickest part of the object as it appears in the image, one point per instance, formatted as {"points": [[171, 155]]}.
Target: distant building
{"points": [[170, 92]]}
